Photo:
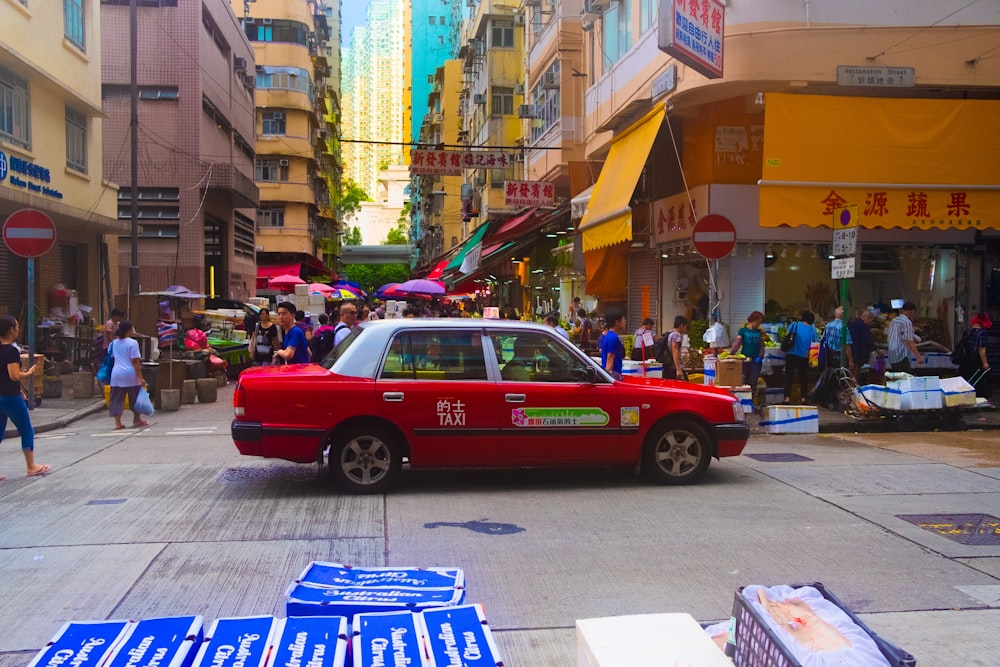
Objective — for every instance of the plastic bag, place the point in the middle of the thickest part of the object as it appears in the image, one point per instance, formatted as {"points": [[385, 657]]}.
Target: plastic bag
{"points": [[143, 405], [716, 336], [104, 373]]}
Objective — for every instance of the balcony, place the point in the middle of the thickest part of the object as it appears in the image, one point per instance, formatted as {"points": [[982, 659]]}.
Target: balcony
{"points": [[225, 177]]}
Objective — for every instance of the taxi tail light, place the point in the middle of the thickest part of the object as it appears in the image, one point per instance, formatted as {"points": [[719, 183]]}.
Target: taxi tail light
{"points": [[239, 401]]}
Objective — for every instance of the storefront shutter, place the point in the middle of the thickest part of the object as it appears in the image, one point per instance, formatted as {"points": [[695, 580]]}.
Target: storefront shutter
{"points": [[744, 277], [643, 290], [13, 282]]}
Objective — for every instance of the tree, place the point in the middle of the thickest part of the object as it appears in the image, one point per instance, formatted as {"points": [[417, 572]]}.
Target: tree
{"points": [[353, 236], [351, 196], [398, 236], [373, 276]]}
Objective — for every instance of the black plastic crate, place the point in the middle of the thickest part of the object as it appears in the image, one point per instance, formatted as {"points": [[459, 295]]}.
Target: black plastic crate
{"points": [[758, 646]]}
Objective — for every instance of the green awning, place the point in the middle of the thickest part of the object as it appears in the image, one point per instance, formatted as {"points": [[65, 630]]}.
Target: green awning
{"points": [[472, 242]]}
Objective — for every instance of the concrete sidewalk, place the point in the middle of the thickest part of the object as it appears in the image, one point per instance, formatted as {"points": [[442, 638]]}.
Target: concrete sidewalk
{"points": [[55, 413]]}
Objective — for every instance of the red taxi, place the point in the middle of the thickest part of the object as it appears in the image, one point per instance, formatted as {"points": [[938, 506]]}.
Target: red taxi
{"points": [[476, 393]]}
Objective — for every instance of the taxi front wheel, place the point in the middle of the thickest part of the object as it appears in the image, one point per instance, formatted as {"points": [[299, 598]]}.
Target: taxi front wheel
{"points": [[365, 460], [676, 452]]}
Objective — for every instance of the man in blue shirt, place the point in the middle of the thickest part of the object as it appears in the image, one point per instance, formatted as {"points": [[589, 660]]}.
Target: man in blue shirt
{"points": [[612, 348], [294, 349]]}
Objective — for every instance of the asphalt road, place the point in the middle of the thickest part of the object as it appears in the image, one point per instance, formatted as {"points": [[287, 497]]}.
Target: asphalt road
{"points": [[171, 520]]}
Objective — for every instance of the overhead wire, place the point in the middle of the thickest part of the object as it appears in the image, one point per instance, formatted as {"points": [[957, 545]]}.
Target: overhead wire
{"points": [[923, 29]]}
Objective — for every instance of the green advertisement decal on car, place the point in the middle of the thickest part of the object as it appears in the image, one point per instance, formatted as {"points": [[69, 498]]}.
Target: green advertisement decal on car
{"points": [[559, 417]]}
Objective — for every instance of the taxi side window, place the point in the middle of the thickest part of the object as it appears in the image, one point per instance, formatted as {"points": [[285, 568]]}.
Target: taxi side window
{"points": [[531, 356], [435, 355]]}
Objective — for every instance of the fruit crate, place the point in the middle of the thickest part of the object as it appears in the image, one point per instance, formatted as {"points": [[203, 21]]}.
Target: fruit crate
{"points": [[756, 644]]}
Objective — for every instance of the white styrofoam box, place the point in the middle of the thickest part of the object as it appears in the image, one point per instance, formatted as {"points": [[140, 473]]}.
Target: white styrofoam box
{"points": [[775, 354], [317, 300], [302, 290], [636, 368], [882, 397], [316, 641], [338, 575], [709, 368], [774, 395], [460, 636], [957, 391], [167, 642], [938, 360], [83, 643], [389, 638], [918, 392], [744, 395], [238, 642], [646, 640], [791, 419]]}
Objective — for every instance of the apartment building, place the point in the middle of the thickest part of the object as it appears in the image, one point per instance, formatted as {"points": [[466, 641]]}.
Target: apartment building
{"points": [[51, 153]]}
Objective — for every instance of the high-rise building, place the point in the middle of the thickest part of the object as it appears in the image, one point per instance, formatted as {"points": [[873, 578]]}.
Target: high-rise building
{"points": [[376, 85], [196, 195], [296, 166]]}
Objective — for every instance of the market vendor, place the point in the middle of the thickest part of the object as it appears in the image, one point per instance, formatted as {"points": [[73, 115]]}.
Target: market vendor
{"points": [[902, 340]]}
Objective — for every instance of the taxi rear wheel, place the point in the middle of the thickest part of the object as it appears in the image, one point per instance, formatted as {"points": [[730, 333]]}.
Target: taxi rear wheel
{"points": [[676, 452], [365, 460]]}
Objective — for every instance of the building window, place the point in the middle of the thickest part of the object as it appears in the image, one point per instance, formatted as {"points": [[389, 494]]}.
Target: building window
{"points": [[74, 23], [158, 231], [271, 171], [647, 14], [273, 122], [270, 216], [142, 3], [243, 235], [276, 30], [502, 36], [14, 117], [503, 101], [76, 140], [617, 31], [283, 78]]}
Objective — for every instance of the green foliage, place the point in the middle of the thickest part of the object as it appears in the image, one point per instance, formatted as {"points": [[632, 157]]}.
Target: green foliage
{"points": [[353, 236], [398, 236], [696, 332], [373, 276], [351, 196]]}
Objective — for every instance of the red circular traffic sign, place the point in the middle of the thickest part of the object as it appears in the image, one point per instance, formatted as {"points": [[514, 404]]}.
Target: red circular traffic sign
{"points": [[29, 233], [714, 236]]}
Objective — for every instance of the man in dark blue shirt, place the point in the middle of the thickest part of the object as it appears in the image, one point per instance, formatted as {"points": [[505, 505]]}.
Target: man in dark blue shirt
{"points": [[294, 349], [612, 348]]}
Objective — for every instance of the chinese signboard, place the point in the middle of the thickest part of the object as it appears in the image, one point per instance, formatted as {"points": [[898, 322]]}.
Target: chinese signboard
{"points": [[876, 77], [673, 217], [843, 268], [28, 176], [528, 193], [947, 207], [451, 163], [692, 31]]}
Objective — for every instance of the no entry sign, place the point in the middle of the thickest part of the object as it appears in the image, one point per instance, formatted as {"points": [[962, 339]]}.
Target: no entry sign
{"points": [[714, 237], [29, 233]]}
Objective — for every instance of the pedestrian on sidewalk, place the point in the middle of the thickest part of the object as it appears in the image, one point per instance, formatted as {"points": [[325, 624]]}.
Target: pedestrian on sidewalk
{"points": [[126, 375], [13, 400], [797, 358]]}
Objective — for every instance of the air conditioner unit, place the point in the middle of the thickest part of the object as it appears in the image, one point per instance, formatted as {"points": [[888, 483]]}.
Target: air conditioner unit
{"points": [[278, 115], [282, 163], [266, 21], [549, 81], [519, 19], [258, 68], [533, 3], [240, 63], [479, 98], [519, 89], [470, 3], [527, 111], [249, 20]]}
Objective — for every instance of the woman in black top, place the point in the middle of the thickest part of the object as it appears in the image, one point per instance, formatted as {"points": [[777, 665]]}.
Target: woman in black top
{"points": [[13, 404], [265, 338]]}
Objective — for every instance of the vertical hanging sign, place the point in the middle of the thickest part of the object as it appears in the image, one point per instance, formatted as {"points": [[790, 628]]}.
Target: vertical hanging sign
{"points": [[693, 31]]}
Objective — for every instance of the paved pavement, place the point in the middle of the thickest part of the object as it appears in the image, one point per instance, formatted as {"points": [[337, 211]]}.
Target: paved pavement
{"points": [[55, 413]]}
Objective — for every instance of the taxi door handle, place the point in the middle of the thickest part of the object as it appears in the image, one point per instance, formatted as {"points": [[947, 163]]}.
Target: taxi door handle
{"points": [[393, 396], [514, 398]]}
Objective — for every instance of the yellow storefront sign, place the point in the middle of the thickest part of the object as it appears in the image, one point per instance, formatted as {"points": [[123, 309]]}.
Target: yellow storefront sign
{"points": [[915, 164]]}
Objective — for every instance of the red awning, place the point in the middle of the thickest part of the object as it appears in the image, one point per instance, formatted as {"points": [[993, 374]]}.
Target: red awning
{"points": [[274, 270], [438, 270], [515, 227]]}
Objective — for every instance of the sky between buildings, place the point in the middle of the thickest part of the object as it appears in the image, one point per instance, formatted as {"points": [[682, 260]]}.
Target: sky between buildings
{"points": [[352, 14]]}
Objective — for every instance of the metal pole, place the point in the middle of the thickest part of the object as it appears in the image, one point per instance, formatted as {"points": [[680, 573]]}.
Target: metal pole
{"points": [[31, 331], [133, 269]]}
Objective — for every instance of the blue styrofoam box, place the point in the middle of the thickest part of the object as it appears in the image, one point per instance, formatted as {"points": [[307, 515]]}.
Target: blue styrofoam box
{"points": [[316, 641], [460, 636], [83, 643], [336, 575], [238, 642], [390, 638], [304, 600], [166, 642]]}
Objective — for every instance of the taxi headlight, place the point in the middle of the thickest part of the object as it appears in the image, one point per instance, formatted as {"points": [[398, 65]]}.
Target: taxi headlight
{"points": [[738, 414]]}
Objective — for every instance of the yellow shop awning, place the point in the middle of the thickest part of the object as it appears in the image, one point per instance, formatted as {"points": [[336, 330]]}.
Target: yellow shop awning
{"points": [[908, 163], [608, 219]]}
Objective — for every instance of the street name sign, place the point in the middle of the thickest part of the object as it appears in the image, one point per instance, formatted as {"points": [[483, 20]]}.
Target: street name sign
{"points": [[843, 267]]}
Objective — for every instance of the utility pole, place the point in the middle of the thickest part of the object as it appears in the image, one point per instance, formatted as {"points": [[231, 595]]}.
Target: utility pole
{"points": [[133, 269]]}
